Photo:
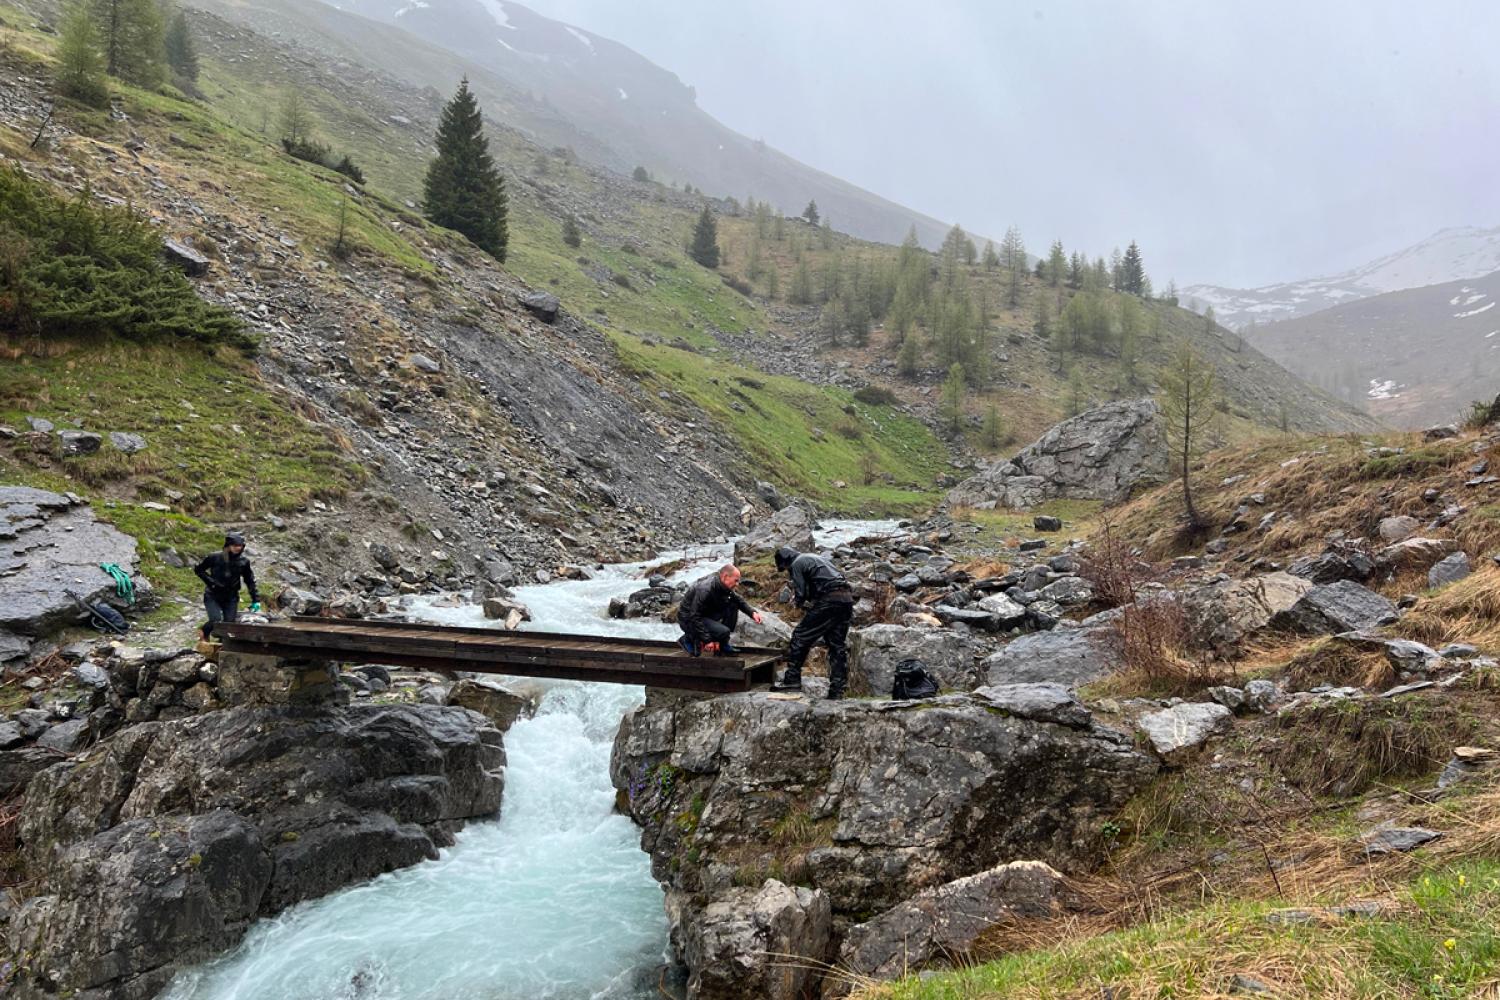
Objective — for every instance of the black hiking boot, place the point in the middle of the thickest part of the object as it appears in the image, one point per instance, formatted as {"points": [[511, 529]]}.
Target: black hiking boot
{"points": [[788, 682], [835, 694]]}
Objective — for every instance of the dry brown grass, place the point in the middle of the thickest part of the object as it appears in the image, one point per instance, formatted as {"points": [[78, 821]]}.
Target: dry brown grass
{"points": [[1317, 486], [1332, 661], [1466, 611]]}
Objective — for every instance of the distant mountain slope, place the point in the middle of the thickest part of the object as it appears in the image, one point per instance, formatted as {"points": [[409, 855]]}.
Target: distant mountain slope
{"points": [[1413, 357], [1448, 255], [567, 87]]}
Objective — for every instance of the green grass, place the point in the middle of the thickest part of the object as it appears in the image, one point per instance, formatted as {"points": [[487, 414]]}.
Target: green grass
{"points": [[804, 437], [214, 432], [1439, 941], [998, 525]]}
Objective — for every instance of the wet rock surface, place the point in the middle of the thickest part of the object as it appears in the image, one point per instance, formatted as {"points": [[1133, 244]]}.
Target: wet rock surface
{"points": [[51, 546], [867, 802], [160, 846]]}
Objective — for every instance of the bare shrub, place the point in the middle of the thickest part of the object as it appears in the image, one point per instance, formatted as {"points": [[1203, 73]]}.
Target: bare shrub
{"points": [[1113, 571]]}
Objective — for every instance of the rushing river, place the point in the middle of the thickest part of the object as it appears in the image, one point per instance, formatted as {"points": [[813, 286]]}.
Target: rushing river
{"points": [[552, 901]]}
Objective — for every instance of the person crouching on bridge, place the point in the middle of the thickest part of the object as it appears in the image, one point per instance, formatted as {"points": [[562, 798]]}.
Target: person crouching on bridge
{"points": [[709, 611], [221, 573], [819, 587]]}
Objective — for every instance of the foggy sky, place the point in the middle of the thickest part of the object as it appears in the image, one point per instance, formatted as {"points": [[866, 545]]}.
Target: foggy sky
{"points": [[1240, 143]]}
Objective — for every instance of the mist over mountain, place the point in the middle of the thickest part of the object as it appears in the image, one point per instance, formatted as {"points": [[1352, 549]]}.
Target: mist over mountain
{"points": [[629, 111], [1447, 255]]}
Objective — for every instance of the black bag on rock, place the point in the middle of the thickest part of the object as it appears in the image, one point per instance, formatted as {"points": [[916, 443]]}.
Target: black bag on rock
{"points": [[913, 681]]}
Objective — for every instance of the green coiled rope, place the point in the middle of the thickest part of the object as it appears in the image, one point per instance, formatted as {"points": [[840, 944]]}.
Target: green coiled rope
{"points": [[124, 587]]}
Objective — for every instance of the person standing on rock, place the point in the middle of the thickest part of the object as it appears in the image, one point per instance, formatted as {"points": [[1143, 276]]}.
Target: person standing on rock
{"points": [[709, 611], [221, 573], [818, 586]]}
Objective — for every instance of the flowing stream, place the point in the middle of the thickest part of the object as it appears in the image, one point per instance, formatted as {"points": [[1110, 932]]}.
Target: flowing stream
{"points": [[552, 901]]}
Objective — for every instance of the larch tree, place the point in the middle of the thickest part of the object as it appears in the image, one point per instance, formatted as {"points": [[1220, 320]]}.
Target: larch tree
{"points": [[295, 122], [1189, 391], [953, 398], [80, 66], [1013, 256], [463, 190], [130, 32], [991, 259]]}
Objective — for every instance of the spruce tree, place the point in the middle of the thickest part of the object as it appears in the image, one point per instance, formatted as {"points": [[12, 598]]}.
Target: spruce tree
{"points": [[131, 34], [1057, 265], [80, 67], [704, 247], [182, 56], [1133, 271], [464, 190], [810, 213]]}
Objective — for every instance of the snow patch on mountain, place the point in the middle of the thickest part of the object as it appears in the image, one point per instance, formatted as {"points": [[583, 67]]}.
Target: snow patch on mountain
{"points": [[1448, 255]]}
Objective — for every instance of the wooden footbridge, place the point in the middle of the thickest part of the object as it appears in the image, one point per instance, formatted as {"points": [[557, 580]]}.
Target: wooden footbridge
{"points": [[492, 651]]}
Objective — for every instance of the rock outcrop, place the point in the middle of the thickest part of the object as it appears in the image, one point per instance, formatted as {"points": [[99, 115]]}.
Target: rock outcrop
{"points": [[867, 802], [160, 846], [876, 650], [944, 923], [1067, 656], [50, 548], [792, 525], [767, 943], [1098, 455]]}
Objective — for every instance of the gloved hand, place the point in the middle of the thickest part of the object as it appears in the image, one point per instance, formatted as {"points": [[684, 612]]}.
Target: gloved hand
{"points": [[254, 607]]}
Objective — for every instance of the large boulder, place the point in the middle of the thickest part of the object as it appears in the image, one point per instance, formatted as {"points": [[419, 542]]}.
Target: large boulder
{"points": [[868, 801], [1098, 455], [766, 943], [492, 699], [1178, 729], [1341, 606], [1067, 656], [1220, 615], [772, 632], [792, 525], [943, 924], [875, 650], [161, 845], [51, 545]]}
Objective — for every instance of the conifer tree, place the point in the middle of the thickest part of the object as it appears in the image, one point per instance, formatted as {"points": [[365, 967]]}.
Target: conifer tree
{"points": [[571, 234], [991, 259], [1133, 272], [131, 33], [1076, 268], [705, 245], [1013, 255], [773, 283], [1189, 390], [80, 67], [295, 122], [1170, 296], [810, 213], [640, 174], [1208, 320], [910, 357], [802, 283], [1116, 270], [463, 189], [1057, 265], [182, 55], [952, 408], [994, 427]]}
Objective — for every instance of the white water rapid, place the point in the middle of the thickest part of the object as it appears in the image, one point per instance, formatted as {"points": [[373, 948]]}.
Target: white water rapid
{"points": [[553, 901]]}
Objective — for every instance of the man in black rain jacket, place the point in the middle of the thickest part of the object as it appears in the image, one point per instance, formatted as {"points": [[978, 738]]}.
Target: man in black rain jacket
{"points": [[221, 573], [818, 586], [709, 611]]}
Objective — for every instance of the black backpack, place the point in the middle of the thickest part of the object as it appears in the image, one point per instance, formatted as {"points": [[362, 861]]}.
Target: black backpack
{"points": [[913, 681], [101, 616]]}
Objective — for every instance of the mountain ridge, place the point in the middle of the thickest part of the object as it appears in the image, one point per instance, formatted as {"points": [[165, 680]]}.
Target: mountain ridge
{"points": [[1454, 253]]}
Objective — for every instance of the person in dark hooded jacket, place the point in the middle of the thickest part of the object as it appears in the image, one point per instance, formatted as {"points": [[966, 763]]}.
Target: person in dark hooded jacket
{"points": [[709, 611], [221, 573], [819, 587]]}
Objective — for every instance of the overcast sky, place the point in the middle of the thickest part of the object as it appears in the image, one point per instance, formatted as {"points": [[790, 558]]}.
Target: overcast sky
{"points": [[1240, 143]]}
